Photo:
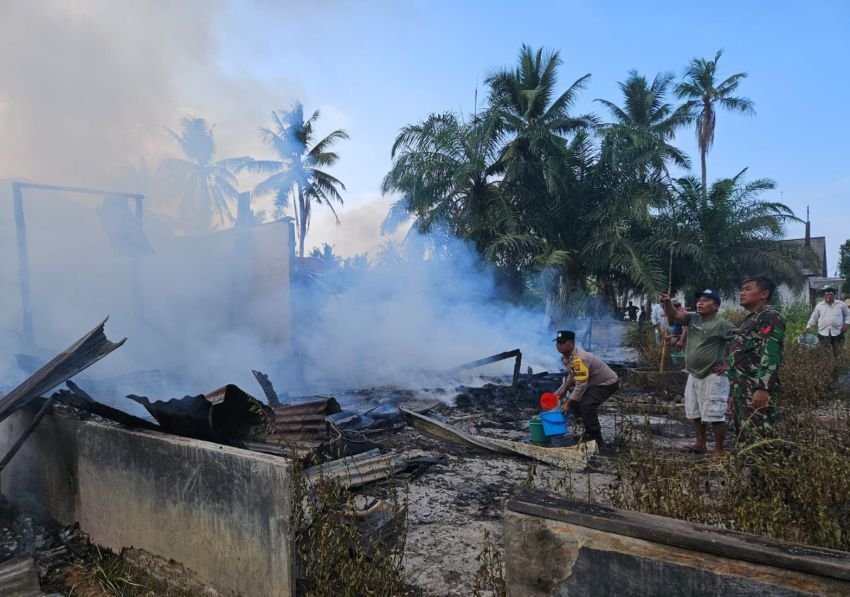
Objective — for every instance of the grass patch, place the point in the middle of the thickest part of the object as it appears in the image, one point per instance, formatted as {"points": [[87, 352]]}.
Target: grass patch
{"points": [[337, 556], [791, 486], [109, 574]]}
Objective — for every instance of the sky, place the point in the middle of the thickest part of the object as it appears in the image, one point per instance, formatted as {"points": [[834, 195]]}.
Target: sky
{"points": [[91, 85]]}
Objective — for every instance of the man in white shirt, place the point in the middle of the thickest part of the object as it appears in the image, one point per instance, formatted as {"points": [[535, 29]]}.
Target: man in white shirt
{"points": [[832, 319]]}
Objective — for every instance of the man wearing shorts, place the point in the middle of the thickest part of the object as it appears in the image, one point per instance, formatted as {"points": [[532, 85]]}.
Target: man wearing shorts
{"points": [[707, 388]]}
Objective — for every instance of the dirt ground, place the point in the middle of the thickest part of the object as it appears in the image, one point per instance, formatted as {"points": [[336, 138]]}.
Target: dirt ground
{"points": [[455, 507]]}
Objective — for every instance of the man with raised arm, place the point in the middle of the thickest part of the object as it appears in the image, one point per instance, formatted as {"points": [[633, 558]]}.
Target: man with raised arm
{"points": [[707, 388]]}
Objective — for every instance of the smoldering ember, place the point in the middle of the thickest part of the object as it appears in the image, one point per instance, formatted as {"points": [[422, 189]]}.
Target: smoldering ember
{"points": [[539, 334]]}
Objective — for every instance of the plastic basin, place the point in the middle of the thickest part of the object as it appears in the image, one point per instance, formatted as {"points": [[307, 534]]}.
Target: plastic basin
{"points": [[554, 422]]}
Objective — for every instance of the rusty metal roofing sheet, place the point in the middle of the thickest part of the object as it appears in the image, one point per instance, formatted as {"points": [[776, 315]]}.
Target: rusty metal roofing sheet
{"points": [[325, 405], [305, 421], [358, 470]]}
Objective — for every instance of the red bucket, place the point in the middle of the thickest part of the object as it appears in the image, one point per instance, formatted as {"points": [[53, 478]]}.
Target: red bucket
{"points": [[548, 401]]}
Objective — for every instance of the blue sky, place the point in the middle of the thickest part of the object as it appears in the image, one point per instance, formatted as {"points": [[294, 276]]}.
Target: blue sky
{"points": [[375, 66]]}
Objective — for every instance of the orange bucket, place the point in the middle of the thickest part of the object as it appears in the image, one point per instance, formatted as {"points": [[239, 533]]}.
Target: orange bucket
{"points": [[548, 401]]}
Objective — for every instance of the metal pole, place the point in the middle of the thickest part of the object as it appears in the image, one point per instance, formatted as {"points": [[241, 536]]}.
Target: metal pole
{"points": [[137, 298], [23, 263]]}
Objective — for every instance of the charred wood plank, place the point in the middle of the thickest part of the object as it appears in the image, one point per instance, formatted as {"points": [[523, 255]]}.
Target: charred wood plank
{"points": [[268, 388], [683, 534], [511, 354]]}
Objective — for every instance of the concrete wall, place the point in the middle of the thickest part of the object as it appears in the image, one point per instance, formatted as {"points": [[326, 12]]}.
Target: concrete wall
{"points": [[221, 512], [550, 553]]}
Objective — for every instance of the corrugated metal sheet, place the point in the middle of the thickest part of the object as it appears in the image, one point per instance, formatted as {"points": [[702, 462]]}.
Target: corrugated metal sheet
{"points": [[84, 352], [19, 578], [324, 405], [305, 421], [231, 415], [358, 470], [223, 415]]}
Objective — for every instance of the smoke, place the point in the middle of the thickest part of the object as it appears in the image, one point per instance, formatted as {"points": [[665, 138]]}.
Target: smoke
{"points": [[88, 89], [90, 86], [205, 310], [410, 318]]}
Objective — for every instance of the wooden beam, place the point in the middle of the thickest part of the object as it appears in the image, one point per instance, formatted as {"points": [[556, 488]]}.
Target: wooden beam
{"points": [[686, 535]]}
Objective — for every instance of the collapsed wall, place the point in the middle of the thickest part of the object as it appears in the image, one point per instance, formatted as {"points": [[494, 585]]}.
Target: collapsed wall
{"points": [[222, 513]]}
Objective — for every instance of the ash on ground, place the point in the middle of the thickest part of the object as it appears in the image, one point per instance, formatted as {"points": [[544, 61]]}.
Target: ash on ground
{"points": [[452, 507], [53, 547]]}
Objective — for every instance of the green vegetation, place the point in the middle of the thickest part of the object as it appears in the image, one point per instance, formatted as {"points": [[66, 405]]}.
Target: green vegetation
{"points": [[844, 267], [298, 177], [704, 94], [338, 552], [206, 186], [593, 204], [298, 173], [107, 573], [564, 205], [791, 486]]}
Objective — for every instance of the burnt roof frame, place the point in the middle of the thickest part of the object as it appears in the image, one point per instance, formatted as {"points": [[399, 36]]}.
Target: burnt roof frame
{"points": [[21, 238]]}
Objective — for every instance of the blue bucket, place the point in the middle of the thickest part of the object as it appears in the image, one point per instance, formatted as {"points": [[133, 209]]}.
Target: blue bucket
{"points": [[554, 422]]}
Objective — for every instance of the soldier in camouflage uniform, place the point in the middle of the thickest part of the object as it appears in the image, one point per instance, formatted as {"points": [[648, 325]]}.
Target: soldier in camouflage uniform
{"points": [[754, 357]]}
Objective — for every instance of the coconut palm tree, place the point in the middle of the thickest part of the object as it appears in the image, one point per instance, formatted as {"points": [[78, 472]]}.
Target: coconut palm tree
{"points": [[645, 125], [206, 186], [443, 169], [704, 94], [535, 124], [536, 133], [728, 233], [299, 174]]}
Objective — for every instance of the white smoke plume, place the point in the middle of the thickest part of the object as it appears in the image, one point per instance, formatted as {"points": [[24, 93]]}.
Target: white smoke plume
{"points": [[88, 89]]}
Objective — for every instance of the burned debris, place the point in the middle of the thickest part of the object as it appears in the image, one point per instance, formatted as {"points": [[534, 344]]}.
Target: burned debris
{"points": [[79, 356], [511, 354], [363, 445]]}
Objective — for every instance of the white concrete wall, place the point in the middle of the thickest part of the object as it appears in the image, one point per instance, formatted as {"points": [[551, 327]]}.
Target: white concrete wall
{"points": [[221, 512]]}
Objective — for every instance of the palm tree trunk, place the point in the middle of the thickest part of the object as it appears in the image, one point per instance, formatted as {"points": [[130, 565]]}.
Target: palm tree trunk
{"points": [[297, 209], [302, 222], [702, 164]]}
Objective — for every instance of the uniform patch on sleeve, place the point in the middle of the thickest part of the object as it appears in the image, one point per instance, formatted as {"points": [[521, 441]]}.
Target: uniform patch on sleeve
{"points": [[766, 329]]}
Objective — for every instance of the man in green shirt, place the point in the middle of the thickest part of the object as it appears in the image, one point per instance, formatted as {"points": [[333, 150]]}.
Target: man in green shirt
{"points": [[707, 388]]}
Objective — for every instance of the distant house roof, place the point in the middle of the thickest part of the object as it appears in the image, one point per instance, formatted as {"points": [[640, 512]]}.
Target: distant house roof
{"points": [[818, 247], [817, 283]]}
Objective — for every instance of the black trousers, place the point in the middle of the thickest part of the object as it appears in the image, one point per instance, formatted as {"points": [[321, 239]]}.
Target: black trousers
{"points": [[588, 409], [834, 342]]}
